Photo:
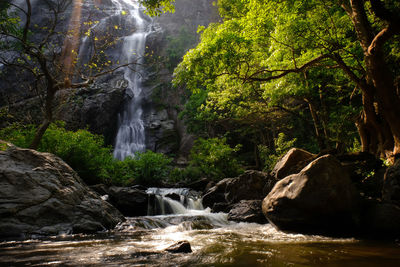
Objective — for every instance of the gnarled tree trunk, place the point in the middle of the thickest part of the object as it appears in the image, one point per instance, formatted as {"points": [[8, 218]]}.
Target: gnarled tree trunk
{"points": [[380, 122]]}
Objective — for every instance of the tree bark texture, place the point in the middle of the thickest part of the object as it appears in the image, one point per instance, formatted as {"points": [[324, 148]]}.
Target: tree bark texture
{"points": [[379, 125]]}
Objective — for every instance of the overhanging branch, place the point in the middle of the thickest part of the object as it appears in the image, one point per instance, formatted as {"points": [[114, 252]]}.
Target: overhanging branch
{"points": [[283, 73]]}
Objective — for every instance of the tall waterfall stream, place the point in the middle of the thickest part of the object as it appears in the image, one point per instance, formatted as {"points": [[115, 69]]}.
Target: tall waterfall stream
{"points": [[215, 241], [131, 134]]}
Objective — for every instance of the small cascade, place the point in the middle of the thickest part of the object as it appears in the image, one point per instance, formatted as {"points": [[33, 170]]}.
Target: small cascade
{"points": [[164, 201], [178, 208]]}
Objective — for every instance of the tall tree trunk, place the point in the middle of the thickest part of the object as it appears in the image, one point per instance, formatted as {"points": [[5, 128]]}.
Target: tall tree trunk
{"points": [[380, 76], [379, 81], [39, 134], [48, 118]]}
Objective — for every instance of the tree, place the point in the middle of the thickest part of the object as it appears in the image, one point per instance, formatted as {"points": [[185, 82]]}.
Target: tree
{"points": [[379, 126], [277, 48], [34, 50], [156, 7]]}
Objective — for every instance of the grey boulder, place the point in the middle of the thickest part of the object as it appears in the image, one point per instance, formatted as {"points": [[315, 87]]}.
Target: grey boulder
{"points": [[319, 199], [41, 195], [247, 211]]}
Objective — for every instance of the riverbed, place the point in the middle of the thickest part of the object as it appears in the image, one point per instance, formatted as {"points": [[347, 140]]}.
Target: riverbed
{"points": [[141, 241]]}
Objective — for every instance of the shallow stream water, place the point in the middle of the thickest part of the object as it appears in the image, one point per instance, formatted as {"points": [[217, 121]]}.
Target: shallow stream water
{"points": [[141, 241]]}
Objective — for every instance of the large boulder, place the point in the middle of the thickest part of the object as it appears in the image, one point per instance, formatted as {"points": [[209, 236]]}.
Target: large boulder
{"points": [[131, 201], [41, 195], [319, 199], [292, 162], [247, 211], [216, 194], [250, 185], [391, 184]]}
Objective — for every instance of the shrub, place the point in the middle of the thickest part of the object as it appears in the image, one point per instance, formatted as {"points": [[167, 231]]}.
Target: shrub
{"points": [[17, 134], [82, 150], [86, 154], [151, 168], [121, 172], [215, 158], [188, 174]]}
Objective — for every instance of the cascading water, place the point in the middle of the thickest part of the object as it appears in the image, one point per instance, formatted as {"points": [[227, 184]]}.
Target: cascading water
{"points": [[131, 133], [175, 207], [163, 201]]}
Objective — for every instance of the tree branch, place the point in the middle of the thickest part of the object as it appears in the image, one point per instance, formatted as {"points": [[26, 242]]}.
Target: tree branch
{"points": [[385, 34], [286, 72], [380, 39], [28, 20]]}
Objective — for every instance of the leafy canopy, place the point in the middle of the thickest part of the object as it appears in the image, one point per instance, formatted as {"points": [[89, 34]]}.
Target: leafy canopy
{"points": [[272, 53], [157, 7]]}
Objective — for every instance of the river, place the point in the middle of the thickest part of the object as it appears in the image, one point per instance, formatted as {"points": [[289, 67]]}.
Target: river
{"points": [[215, 241]]}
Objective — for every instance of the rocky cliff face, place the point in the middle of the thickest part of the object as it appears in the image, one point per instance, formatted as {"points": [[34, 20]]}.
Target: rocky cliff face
{"points": [[98, 106], [165, 132]]}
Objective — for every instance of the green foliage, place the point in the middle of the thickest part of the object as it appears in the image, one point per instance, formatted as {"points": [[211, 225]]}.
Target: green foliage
{"points": [[356, 147], [157, 7], [3, 146], [86, 154], [151, 168], [271, 156], [120, 172], [189, 174], [9, 21], [237, 79], [214, 158], [82, 150], [193, 115], [18, 134], [177, 46]]}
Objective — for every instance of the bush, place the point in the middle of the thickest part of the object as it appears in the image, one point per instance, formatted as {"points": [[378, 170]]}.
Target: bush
{"points": [[214, 158], [120, 172], [17, 134], [82, 150], [86, 154], [188, 174], [151, 168]]}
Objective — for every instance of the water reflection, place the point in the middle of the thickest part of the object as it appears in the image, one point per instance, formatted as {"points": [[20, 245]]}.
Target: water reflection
{"points": [[235, 244]]}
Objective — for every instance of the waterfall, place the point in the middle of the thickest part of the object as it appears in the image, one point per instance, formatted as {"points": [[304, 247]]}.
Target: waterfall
{"points": [[175, 207], [163, 201], [131, 133]]}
